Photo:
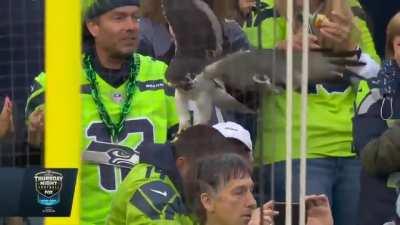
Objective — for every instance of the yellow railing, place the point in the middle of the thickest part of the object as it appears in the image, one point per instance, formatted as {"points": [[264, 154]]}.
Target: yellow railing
{"points": [[63, 44]]}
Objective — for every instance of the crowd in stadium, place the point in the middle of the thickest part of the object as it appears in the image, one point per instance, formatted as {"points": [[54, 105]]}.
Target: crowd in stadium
{"points": [[141, 166]]}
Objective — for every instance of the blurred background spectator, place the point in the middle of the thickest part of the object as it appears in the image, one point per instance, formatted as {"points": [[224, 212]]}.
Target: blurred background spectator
{"points": [[379, 14], [21, 58]]}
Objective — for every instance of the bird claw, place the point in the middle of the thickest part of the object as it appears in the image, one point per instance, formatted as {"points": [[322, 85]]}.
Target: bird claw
{"points": [[183, 125], [262, 79], [265, 80]]}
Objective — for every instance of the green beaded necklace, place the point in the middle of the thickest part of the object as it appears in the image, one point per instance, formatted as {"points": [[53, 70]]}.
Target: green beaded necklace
{"points": [[114, 129]]}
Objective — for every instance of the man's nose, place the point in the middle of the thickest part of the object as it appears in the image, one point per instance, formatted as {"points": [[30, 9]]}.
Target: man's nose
{"points": [[251, 201], [132, 24]]}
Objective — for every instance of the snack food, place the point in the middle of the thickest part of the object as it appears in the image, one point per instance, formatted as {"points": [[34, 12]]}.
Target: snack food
{"points": [[320, 18]]}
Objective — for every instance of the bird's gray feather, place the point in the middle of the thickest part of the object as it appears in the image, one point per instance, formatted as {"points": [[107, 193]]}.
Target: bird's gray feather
{"points": [[198, 36], [241, 69]]}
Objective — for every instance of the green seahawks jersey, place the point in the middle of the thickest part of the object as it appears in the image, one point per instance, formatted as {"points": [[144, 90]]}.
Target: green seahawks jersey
{"points": [[152, 114], [330, 107], [148, 197]]}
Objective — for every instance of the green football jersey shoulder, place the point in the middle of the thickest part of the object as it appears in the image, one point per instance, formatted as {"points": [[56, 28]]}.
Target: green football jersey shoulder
{"points": [[148, 197]]}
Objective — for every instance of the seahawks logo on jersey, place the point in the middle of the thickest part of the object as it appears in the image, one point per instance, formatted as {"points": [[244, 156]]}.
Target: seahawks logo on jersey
{"points": [[111, 154], [108, 155]]}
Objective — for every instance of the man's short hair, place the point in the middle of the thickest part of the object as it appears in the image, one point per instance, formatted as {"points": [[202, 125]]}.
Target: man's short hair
{"points": [[212, 173]]}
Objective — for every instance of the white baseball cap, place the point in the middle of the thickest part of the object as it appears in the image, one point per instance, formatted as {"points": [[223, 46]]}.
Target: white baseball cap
{"points": [[233, 130]]}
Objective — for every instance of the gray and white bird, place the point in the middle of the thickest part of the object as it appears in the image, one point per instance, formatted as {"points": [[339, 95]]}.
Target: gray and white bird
{"points": [[198, 36], [253, 70], [199, 72]]}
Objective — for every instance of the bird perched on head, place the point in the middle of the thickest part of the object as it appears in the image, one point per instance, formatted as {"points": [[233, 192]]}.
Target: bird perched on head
{"points": [[199, 41]]}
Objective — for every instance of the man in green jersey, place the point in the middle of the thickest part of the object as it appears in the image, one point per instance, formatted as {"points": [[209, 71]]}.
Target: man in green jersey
{"points": [[126, 103], [154, 191]]}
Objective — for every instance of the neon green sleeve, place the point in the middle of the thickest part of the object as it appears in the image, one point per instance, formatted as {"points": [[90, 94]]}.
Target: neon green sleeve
{"points": [[148, 197], [155, 202], [267, 27], [36, 98]]}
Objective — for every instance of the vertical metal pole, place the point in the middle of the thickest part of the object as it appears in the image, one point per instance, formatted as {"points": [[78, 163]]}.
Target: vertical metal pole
{"points": [[289, 111], [304, 98]]}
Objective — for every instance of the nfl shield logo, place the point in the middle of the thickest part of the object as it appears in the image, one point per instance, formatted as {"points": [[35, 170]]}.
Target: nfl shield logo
{"points": [[48, 185], [117, 97]]}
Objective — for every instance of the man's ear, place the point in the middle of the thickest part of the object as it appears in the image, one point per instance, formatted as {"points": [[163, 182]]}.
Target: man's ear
{"points": [[207, 202], [93, 27]]}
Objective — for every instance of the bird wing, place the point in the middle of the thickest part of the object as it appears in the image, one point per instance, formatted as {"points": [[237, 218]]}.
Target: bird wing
{"points": [[198, 35], [245, 70]]}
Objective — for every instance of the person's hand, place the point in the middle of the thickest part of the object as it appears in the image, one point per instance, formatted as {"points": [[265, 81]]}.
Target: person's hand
{"points": [[313, 42], [245, 6], [338, 29], [318, 210], [6, 118], [36, 127], [268, 214], [14, 221]]}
